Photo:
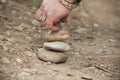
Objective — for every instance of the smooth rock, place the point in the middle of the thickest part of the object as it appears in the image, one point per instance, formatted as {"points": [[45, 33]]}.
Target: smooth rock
{"points": [[5, 60], [56, 46], [50, 56]]}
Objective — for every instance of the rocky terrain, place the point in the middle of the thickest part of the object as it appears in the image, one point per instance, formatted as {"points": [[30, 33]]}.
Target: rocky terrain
{"points": [[93, 55]]}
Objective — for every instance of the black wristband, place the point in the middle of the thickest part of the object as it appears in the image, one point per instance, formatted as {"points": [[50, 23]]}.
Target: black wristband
{"points": [[78, 1]]}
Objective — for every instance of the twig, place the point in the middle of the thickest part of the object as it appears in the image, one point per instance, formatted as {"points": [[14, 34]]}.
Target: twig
{"points": [[104, 69]]}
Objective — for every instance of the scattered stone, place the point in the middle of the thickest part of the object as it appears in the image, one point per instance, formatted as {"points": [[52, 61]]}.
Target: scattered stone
{"points": [[28, 13], [36, 23], [111, 40], [18, 60], [86, 77], [5, 60], [25, 73], [81, 31], [96, 25], [50, 56], [47, 63], [56, 46], [30, 53], [8, 32], [70, 75], [28, 38], [2, 37], [2, 70], [12, 39], [22, 27], [14, 12]]}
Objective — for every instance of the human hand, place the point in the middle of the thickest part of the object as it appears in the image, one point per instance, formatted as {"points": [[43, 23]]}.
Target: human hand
{"points": [[55, 13]]}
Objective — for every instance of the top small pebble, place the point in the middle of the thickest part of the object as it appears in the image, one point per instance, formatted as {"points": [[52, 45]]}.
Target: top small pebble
{"points": [[57, 46]]}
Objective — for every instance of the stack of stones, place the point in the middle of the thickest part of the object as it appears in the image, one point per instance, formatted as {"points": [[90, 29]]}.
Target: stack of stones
{"points": [[54, 51]]}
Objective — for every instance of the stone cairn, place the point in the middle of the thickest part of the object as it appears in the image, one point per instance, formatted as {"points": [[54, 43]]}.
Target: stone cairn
{"points": [[54, 47]]}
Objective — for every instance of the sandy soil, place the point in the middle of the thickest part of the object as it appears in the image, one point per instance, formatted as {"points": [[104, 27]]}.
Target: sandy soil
{"points": [[94, 49]]}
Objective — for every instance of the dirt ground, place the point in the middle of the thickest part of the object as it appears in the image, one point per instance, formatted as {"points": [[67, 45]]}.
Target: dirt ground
{"points": [[94, 49]]}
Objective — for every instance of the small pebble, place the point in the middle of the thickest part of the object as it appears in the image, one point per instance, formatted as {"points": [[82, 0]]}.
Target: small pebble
{"points": [[18, 60], [50, 56], [22, 26], [14, 12], [25, 73], [5, 60], [2, 70], [56, 46], [8, 32], [81, 31], [96, 25], [36, 23], [30, 53]]}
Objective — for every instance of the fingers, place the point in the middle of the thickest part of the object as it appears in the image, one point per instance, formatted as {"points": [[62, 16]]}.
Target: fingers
{"points": [[49, 19], [38, 14], [52, 26], [41, 16]]}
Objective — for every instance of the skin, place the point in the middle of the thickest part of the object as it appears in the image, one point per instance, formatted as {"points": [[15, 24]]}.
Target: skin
{"points": [[55, 13]]}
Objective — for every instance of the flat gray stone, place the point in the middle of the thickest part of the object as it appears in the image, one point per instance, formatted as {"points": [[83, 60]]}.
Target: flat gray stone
{"points": [[56, 46], [51, 56]]}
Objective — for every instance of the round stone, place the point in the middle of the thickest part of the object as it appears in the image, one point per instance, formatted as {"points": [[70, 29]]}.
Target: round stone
{"points": [[56, 46], [51, 56]]}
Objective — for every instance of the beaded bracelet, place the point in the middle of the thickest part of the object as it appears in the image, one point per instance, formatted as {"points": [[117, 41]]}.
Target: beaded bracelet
{"points": [[68, 5]]}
